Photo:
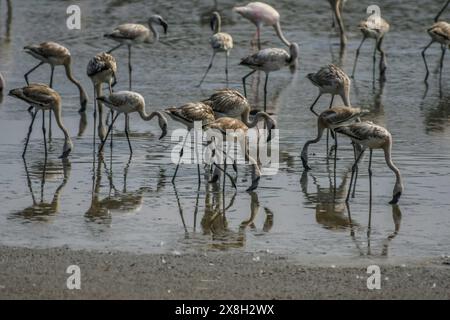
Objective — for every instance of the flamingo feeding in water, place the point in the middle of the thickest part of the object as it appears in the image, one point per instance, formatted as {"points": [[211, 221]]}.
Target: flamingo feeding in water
{"points": [[375, 28], [439, 32], [133, 34], [43, 98], [187, 115], [261, 14], [55, 55], [101, 69], [220, 42], [128, 102], [330, 119], [269, 60], [231, 103], [372, 136], [240, 132]]}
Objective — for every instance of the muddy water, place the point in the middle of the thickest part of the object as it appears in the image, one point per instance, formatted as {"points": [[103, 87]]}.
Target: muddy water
{"points": [[131, 205]]}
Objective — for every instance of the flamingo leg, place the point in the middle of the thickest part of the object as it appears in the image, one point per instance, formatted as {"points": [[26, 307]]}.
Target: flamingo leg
{"points": [[44, 132], [226, 66], [32, 69], [181, 156], [441, 65], [258, 34], [95, 117], [382, 60], [335, 162], [357, 56], [115, 48], [442, 10], [109, 131], [425, 59], [30, 129], [355, 151], [328, 130], [50, 111], [353, 174], [130, 68], [314, 103], [128, 139], [208, 69], [243, 81], [265, 92]]}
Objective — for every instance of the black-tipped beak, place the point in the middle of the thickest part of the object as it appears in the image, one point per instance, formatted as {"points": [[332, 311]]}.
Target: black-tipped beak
{"points": [[269, 136], [164, 25], [101, 99], [396, 198], [164, 132], [65, 154]]}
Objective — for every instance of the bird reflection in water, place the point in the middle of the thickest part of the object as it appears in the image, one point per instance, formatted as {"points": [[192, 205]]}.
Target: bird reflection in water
{"points": [[397, 219], [214, 223], [41, 210], [117, 201], [329, 200]]}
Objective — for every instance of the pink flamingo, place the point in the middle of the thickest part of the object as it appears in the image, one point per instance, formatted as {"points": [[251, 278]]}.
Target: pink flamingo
{"points": [[262, 14]]}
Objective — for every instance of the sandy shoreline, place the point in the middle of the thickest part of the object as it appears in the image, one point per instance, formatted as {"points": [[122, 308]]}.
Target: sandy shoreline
{"points": [[41, 273]]}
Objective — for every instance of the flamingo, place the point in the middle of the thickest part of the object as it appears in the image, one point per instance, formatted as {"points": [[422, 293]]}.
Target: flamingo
{"points": [[102, 68], [268, 60], [439, 32], [260, 14], [128, 102], [333, 80], [330, 119], [187, 115], [220, 42], [240, 132], [55, 55], [42, 98], [376, 30], [133, 34], [338, 6], [441, 11], [231, 103], [372, 136]]}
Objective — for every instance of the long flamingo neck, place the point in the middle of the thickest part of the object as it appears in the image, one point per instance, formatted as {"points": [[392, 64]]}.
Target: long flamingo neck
{"points": [[154, 31], [57, 112], [218, 24], [337, 11], [280, 34], [392, 166], [68, 67], [148, 117]]}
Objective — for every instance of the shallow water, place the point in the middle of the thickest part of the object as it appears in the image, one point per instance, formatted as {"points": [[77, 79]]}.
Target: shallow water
{"points": [[132, 206]]}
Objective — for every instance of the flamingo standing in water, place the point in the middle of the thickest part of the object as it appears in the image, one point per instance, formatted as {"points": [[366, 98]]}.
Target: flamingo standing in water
{"points": [[331, 80], [231, 103], [133, 34], [372, 136], [187, 115], [330, 119], [127, 102], [220, 42], [439, 32], [55, 55], [260, 14], [375, 28], [42, 98], [101, 69], [240, 132], [338, 6], [269, 60]]}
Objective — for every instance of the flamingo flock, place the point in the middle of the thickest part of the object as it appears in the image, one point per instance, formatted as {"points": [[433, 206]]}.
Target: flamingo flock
{"points": [[226, 109]]}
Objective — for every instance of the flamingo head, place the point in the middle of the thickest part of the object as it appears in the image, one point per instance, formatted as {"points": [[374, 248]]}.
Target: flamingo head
{"points": [[157, 19]]}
